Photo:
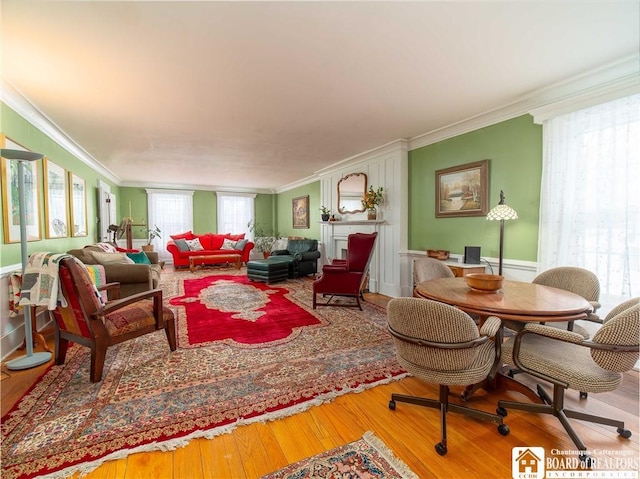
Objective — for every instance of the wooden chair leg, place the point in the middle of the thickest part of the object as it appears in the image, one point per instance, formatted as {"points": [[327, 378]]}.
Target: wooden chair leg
{"points": [[61, 346], [170, 331], [98, 355]]}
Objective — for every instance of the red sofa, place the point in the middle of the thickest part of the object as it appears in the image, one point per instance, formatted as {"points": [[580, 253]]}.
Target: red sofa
{"points": [[212, 244]]}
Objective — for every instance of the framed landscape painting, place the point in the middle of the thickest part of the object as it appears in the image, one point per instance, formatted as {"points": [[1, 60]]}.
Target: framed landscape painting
{"points": [[55, 200], [10, 199], [300, 207], [78, 191], [463, 190]]}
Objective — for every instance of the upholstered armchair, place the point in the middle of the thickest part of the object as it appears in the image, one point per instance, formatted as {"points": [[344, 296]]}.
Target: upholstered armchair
{"points": [[302, 254], [441, 344], [425, 269], [88, 321], [568, 361], [346, 277]]}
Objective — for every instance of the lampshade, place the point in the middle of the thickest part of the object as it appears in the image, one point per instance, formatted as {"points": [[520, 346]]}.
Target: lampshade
{"points": [[502, 212]]}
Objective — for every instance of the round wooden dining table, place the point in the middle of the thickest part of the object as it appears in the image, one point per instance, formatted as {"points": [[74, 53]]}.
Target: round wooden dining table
{"points": [[518, 301]]}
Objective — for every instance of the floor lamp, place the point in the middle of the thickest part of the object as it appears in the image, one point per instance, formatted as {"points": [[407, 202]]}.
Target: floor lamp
{"points": [[502, 212], [30, 359]]}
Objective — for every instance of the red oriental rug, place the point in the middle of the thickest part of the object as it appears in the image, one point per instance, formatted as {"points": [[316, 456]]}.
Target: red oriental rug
{"points": [[367, 458], [223, 375]]}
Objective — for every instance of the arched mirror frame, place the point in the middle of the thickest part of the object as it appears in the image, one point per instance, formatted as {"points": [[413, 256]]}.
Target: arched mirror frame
{"points": [[350, 178]]}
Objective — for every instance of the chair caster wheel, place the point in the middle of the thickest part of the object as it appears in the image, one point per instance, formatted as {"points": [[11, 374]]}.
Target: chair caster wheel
{"points": [[500, 411], [441, 449], [584, 395], [503, 429], [586, 460], [624, 432], [392, 405]]}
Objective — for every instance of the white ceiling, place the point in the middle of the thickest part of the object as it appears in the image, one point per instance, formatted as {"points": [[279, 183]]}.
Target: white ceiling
{"points": [[259, 95]]}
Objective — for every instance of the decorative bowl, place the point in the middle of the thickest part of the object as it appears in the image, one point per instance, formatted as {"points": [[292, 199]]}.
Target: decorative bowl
{"points": [[441, 254], [484, 282]]}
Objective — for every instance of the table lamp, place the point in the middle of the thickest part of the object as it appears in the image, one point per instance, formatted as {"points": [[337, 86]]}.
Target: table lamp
{"points": [[502, 212], [30, 359]]}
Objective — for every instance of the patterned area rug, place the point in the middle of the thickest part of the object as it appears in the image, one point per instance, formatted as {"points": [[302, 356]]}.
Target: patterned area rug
{"points": [[367, 458], [152, 399]]}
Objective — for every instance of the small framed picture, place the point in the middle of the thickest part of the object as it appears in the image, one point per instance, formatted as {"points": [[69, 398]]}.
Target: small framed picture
{"points": [[56, 196], [300, 210], [463, 190]]}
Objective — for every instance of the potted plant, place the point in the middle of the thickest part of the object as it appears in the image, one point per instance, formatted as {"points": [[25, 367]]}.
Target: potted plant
{"points": [[325, 213], [262, 243], [371, 199], [152, 233]]}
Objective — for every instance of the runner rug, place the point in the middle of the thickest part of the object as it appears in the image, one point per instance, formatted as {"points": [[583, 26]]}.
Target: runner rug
{"points": [[367, 458], [236, 363]]}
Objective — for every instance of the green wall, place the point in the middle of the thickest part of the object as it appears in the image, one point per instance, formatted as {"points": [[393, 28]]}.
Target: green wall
{"points": [[24, 133], [285, 211], [514, 148]]}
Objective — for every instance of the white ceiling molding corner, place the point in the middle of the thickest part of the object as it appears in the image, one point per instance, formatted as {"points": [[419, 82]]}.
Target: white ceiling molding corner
{"points": [[607, 82], [175, 187], [14, 99], [369, 155]]}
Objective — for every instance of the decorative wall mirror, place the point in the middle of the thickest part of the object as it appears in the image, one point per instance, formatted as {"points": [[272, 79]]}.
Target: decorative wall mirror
{"points": [[351, 190]]}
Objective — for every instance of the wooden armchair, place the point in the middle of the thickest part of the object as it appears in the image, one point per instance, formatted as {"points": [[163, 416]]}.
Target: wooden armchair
{"points": [[88, 321]]}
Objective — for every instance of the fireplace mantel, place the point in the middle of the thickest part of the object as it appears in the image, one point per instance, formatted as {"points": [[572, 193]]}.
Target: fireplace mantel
{"points": [[352, 222]]}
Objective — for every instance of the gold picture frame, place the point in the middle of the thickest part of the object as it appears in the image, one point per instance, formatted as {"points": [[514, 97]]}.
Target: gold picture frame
{"points": [[78, 205], [10, 197], [463, 190], [300, 211], [56, 199]]}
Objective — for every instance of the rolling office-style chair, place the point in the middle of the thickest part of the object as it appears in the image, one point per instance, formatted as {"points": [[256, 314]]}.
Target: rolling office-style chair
{"points": [[88, 321], [346, 277], [425, 269], [568, 361], [440, 344]]}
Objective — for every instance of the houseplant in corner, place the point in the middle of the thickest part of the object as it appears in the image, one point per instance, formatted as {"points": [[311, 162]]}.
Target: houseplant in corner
{"points": [[152, 233], [371, 199]]}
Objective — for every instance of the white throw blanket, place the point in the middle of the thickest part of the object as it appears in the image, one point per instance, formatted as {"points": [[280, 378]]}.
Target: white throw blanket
{"points": [[41, 283]]}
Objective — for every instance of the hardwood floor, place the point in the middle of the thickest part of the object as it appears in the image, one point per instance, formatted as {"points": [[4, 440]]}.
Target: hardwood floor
{"points": [[475, 448]]}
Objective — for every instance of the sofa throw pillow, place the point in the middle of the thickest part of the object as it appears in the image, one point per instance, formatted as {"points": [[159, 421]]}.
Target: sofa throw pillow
{"points": [[227, 244], [182, 245], [241, 244], [139, 258], [188, 236], [194, 245], [111, 258]]}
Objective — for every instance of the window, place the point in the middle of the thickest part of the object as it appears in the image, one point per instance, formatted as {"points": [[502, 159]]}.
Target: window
{"points": [[235, 210], [172, 212], [590, 199]]}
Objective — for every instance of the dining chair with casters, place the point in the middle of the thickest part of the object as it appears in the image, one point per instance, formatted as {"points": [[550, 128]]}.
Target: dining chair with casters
{"points": [[89, 321], [568, 361], [346, 277], [425, 269], [576, 280], [441, 344]]}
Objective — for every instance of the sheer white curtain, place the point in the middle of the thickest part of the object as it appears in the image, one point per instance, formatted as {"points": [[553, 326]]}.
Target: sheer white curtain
{"points": [[590, 196], [235, 210], [172, 212]]}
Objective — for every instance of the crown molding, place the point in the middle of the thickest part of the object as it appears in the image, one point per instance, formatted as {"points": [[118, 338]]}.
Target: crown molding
{"points": [[369, 155], [611, 81], [14, 99]]}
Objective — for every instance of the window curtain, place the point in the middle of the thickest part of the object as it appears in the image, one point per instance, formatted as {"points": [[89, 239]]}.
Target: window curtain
{"points": [[172, 212], [590, 196], [235, 211]]}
